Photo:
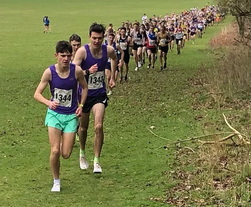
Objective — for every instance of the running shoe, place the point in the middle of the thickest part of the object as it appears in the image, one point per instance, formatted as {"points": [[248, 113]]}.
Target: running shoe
{"points": [[83, 163], [109, 93], [136, 69], [55, 187], [139, 64], [149, 65], [125, 77], [97, 168], [161, 68]]}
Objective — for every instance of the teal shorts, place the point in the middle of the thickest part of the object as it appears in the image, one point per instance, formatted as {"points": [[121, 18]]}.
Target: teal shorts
{"points": [[67, 123]]}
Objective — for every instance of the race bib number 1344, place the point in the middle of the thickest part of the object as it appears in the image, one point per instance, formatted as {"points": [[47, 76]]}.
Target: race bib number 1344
{"points": [[64, 97]]}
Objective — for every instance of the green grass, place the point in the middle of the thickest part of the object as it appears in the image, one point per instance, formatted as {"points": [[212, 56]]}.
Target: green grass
{"points": [[133, 159]]}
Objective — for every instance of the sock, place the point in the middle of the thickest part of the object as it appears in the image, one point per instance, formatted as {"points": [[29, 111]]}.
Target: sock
{"points": [[56, 180], [81, 153], [96, 159]]}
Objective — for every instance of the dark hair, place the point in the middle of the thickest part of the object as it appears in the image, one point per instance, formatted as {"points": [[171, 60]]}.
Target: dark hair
{"points": [[95, 27], [63, 46], [111, 34], [75, 37], [123, 28]]}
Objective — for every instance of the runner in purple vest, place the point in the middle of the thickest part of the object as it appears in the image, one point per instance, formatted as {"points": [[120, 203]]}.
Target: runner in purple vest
{"points": [[63, 108], [92, 58]]}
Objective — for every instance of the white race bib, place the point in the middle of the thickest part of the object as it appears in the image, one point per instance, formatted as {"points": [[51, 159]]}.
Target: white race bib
{"points": [[162, 41], [138, 41], [64, 97], [123, 45], [96, 80], [151, 42]]}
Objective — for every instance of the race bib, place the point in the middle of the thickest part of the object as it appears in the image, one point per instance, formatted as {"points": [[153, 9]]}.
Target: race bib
{"points": [[162, 41], [96, 80], [64, 97], [151, 42], [123, 45], [138, 41]]}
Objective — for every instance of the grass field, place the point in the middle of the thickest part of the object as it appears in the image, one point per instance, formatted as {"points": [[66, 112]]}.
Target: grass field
{"points": [[133, 159]]}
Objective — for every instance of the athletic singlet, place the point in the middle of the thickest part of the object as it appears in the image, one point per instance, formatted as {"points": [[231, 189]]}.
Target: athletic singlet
{"points": [[123, 43], [179, 35], [171, 30], [96, 81], [115, 49], [64, 90], [151, 40], [137, 38], [163, 39], [193, 29]]}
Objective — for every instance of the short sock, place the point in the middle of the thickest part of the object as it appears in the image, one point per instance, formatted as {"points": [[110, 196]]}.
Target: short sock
{"points": [[82, 152], [96, 159], [56, 180]]}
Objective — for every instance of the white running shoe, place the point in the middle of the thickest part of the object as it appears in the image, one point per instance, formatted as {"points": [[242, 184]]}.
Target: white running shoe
{"points": [[136, 69], [109, 93], [139, 64], [97, 168], [83, 163], [55, 187]]}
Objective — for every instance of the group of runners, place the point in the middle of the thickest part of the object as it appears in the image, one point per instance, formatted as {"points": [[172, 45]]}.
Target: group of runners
{"points": [[154, 37], [78, 80]]}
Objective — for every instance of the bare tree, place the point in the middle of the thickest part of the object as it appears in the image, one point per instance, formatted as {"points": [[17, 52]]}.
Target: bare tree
{"points": [[241, 9]]}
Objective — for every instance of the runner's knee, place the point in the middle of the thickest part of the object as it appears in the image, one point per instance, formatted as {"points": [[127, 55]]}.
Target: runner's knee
{"points": [[98, 127], [66, 155], [55, 152], [83, 128]]}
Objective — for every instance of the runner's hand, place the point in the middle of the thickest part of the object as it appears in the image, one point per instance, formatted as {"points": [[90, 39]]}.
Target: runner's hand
{"points": [[79, 111], [53, 104], [94, 68], [112, 83]]}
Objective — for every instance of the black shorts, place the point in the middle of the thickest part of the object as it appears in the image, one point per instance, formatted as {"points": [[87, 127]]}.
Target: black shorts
{"points": [[92, 100], [126, 56], [152, 49], [47, 25], [163, 49], [177, 41], [108, 65], [135, 46], [172, 37]]}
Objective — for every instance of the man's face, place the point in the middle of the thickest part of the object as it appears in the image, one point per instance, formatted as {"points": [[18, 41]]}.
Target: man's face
{"points": [[136, 27], [96, 39], [64, 58], [75, 45], [111, 38], [122, 32]]}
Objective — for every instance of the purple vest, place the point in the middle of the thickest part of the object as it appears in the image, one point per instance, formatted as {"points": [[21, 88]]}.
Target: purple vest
{"points": [[96, 81], [64, 90]]}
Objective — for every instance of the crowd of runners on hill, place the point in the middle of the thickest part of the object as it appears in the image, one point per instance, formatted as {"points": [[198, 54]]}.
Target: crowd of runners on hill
{"points": [[153, 37], [77, 80], [146, 41]]}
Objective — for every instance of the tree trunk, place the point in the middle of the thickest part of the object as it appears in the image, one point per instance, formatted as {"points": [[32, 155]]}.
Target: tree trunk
{"points": [[241, 24]]}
